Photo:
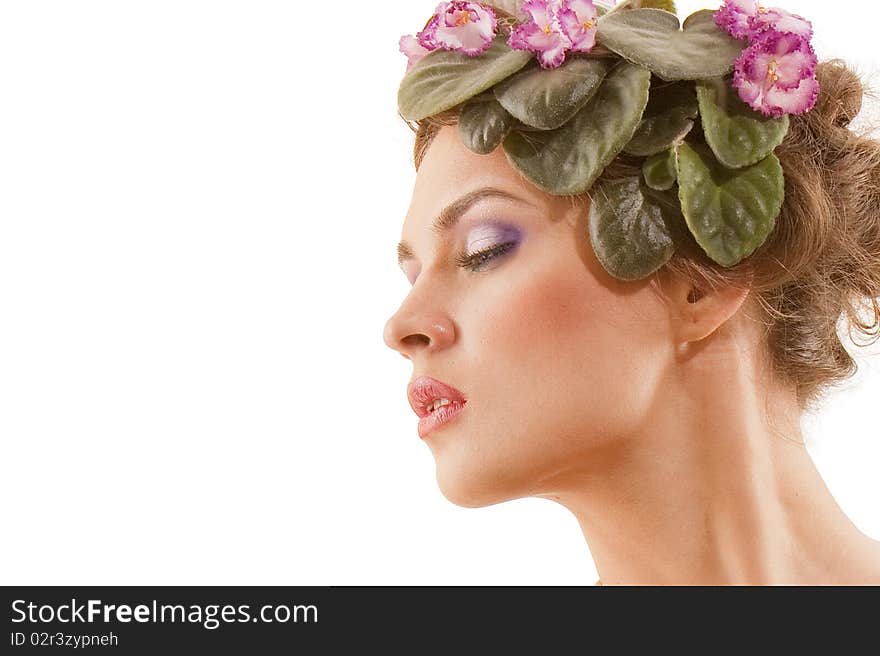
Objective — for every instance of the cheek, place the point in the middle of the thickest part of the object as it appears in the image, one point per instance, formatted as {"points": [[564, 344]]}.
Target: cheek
{"points": [[550, 316], [559, 368], [576, 349]]}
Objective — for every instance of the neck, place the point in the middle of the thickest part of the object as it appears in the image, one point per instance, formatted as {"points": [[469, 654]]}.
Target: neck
{"points": [[717, 488]]}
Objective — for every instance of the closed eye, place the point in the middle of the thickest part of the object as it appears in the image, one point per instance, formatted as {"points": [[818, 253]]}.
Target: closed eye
{"points": [[477, 261]]}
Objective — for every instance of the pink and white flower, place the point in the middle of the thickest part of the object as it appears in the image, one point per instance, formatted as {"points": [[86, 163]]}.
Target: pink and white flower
{"points": [[465, 27], [426, 36], [780, 20], [410, 46], [733, 17], [542, 33], [747, 19], [776, 75], [579, 22]]}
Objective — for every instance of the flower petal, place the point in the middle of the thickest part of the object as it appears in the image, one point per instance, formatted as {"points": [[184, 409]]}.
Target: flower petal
{"points": [[752, 93], [578, 20], [743, 6], [410, 46], [553, 57], [793, 101], [776, 74], [466, 27], [541, 34], [734, 15], [794, 67], [541, 11], [427, 37], [781, 21], [750, 77], [791, 56], [584, 9]]}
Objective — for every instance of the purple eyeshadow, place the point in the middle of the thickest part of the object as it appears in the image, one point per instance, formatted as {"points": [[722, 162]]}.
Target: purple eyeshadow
{"points": [[487, 235]]}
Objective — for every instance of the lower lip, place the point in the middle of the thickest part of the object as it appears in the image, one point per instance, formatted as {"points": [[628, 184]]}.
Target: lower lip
{"points": [[439, 418]]}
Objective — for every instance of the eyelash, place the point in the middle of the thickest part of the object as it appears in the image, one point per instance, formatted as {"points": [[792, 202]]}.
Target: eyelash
{"points": [[473, 261]]}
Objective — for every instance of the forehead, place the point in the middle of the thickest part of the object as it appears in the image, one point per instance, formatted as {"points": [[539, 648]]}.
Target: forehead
{"points": [[448, 157], [450, 170]]}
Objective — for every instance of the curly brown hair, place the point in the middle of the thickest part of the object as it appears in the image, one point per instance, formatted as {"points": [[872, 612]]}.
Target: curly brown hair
{"points": [[821, 263]]}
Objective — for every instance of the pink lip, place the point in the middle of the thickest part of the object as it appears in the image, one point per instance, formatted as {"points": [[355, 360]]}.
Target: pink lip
{"points": [[423, 391]]}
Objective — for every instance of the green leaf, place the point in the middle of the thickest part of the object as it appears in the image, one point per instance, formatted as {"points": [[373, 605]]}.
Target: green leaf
{"points": [[512, 7], [651, 38], [569, 160], [659, 171], [730, 212], [666, 5], [443, 79], [738, 135], [631, 228], [546, 99], [667, 120], [483, 125]]}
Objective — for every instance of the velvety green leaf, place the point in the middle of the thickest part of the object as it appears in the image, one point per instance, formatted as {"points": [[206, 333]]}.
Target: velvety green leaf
{"points": [[659, 171], [667, 120], [442, 79], [512, 7], [546, 99], [652, 38], [568, 160], [630, 228], [483, 124], [738, 135], [633, 4], [730, 212], [666, 5]]}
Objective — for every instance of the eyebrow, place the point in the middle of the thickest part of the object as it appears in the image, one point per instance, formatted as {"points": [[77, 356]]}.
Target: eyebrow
{"points": [[451, 214]]}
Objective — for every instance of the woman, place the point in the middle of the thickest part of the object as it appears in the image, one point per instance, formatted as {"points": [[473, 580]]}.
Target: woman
{"points": [[663, 412]]}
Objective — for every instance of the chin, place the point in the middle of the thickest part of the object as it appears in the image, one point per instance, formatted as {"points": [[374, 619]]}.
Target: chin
{"points": [[476, 482], [464, 494]]}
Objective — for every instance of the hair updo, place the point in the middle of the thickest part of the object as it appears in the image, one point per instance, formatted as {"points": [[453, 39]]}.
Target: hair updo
{"points": [[821, 262]]}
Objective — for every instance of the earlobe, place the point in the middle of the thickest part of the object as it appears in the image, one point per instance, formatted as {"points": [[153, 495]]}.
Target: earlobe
{"points": [[705, 311], [697, 310]]}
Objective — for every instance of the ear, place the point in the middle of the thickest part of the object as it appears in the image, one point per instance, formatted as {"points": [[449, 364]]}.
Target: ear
{"points": [[698, 311]]}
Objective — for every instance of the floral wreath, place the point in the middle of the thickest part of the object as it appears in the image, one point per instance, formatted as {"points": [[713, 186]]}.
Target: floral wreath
{"points": [[565, 86]]}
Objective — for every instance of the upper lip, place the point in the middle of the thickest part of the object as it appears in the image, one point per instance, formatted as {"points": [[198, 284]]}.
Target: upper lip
{"points": [[424, 390]]}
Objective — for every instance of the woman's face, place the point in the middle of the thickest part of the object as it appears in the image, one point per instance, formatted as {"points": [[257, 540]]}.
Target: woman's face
{"points": [[558, 361]]}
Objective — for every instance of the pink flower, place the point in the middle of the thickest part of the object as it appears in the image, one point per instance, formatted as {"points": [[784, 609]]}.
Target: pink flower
{"points": [[541, 34], [733, 17], [426, 36], [579, 19], [780, 20], [746, 19], [410, 46], [466, 27], [776, 75]]}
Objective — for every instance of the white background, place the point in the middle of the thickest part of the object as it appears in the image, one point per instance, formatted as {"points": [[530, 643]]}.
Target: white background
{"points": [[199, 204]]}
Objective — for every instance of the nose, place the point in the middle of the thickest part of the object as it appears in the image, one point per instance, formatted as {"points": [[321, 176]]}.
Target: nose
{"points": [[408, 332]]}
